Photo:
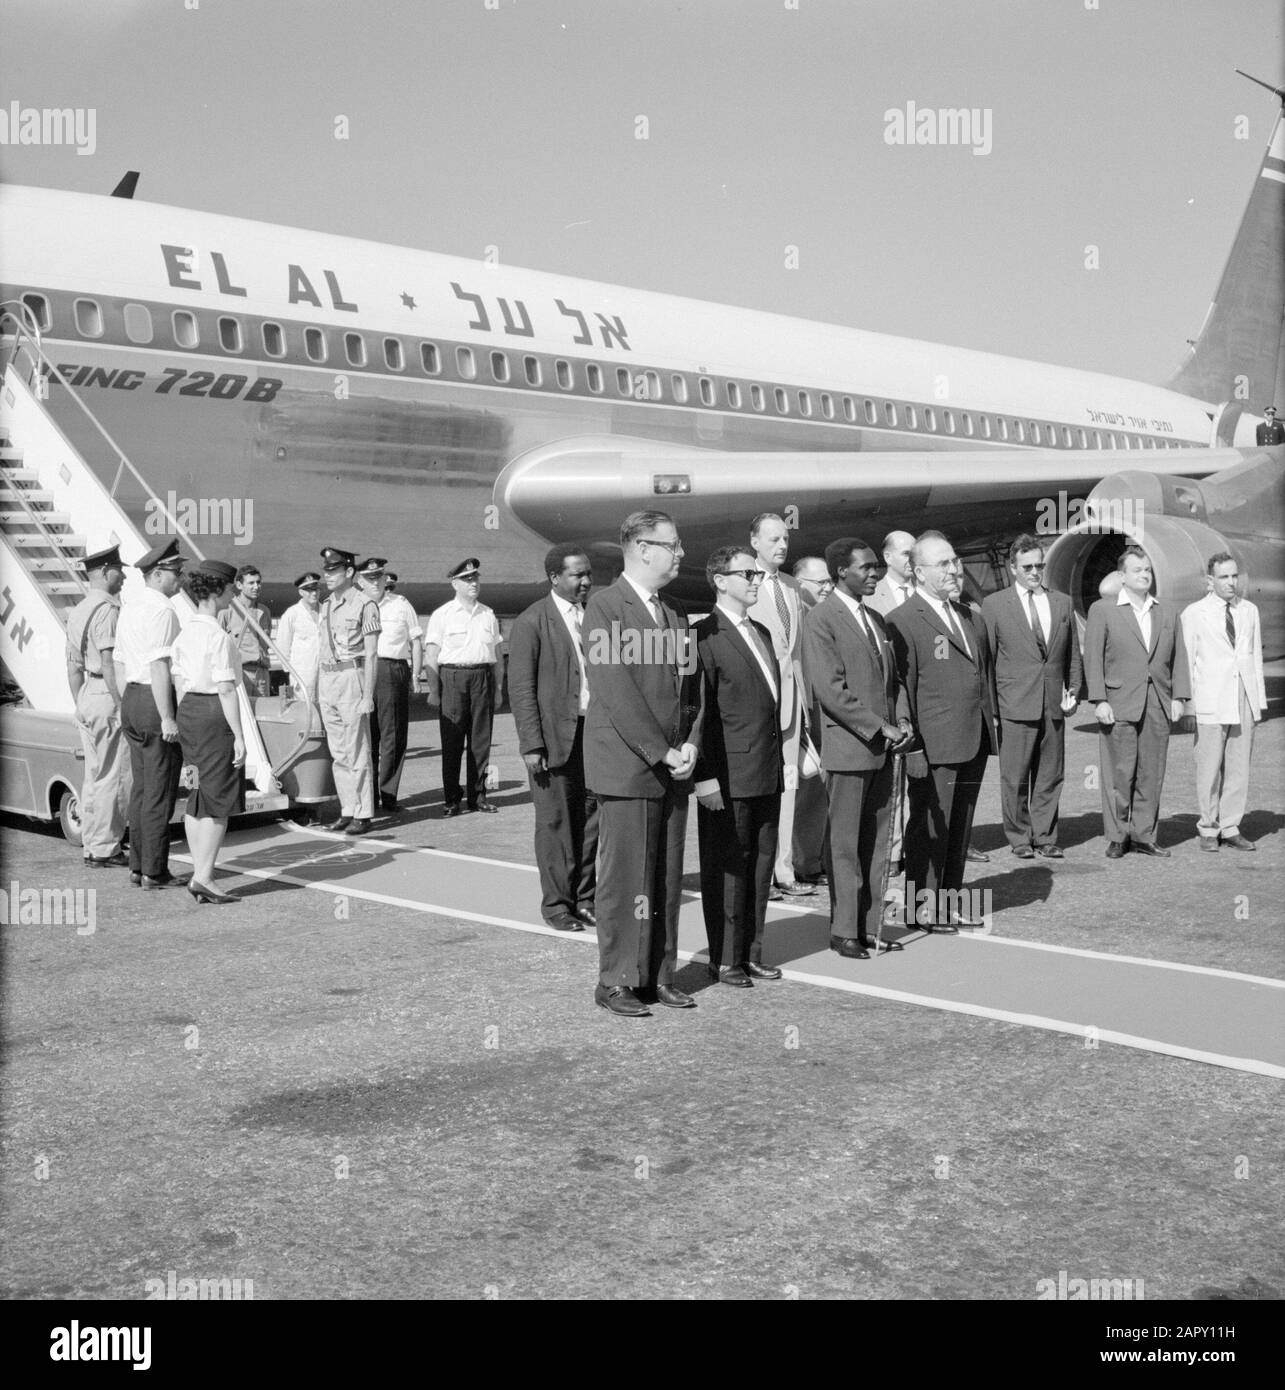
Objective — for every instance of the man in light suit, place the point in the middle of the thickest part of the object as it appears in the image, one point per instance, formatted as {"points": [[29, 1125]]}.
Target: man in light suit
{"points": [[779, 610], [738, 772], [1035, 651], [1135, 666], [1229, 695], [810, 810], [898, 583], [944, 663], [549, 694], [642, 734], [851, 672]]}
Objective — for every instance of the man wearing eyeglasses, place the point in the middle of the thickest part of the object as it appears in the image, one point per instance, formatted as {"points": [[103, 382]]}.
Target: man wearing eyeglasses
{"points": [[944, 663], [738, 772], [641, 736], [1035, 651]]}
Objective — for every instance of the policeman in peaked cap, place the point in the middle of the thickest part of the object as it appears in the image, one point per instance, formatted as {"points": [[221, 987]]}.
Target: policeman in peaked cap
{"points": [[297, 638], [348, 638], [462, 656], [91, 673], [144, 637], [1271, 431]]}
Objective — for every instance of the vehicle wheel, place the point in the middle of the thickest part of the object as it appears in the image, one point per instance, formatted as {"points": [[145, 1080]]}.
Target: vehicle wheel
{"points": [[69, 816]]}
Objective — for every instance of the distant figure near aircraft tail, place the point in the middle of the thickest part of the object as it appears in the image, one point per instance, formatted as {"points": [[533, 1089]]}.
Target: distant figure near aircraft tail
{"points": [[1240, 353]]}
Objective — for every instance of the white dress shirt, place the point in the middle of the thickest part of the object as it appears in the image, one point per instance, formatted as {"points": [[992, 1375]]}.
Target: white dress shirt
{"points": [[573, 616], [298, 636], [464, 638], [204, 656], [948, 616], [1143, 614], [145, 633], [745, 627], [398, 625]]}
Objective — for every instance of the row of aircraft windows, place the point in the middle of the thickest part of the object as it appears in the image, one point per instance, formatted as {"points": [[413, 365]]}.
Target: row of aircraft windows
{"points": [[359, 351]]}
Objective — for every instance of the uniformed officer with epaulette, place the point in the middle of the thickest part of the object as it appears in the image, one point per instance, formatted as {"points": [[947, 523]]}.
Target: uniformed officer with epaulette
{"points": [[348, 641], [400, 656], [91, 674]]}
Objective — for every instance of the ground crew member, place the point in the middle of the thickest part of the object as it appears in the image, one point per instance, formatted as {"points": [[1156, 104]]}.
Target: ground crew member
{"points": [[91, 674], [251, 648], [399, 657], [348, 633]]}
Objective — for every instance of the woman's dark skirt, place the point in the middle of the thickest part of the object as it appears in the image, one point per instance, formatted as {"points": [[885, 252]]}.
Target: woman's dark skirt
{"points": [[207, 742]]}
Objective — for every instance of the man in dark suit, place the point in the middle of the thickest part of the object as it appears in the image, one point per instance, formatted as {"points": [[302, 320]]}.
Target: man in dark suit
{"points": [[1271, 431], [549, 694], [739, 771], [1135, 665], [852, 677], [943, 663], [642, 734], [1035, 650]]}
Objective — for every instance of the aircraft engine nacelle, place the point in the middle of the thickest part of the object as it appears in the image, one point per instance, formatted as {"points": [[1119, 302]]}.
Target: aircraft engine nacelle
{"points": [[1180, 523]]}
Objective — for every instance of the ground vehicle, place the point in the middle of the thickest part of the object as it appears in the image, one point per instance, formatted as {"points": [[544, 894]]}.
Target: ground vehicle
{"points": [[41, 767]]}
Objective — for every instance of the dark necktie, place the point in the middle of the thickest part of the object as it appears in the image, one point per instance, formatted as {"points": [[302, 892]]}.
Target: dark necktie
{"points": [[1036, 628], [868, 628], [1231, 626], [782, 608]]}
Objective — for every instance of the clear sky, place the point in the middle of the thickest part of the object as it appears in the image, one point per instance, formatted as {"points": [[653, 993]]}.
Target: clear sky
{"points": [[515, 123]]}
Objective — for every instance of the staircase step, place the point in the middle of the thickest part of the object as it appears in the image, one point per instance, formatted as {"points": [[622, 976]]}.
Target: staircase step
{"points": [[33, 497], [63, 543], [19, 475], [52, 564], [48, 518], [64, 588]]}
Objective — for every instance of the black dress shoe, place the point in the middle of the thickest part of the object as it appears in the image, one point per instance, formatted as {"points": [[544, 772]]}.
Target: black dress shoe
{"points": [[1240, 842], [1024, 851], [452, 808], [168, 881], [943, 929], [338, 826], [389, 804], [1051, 852], [849, 948], [1149, 847], [735, 976], [760, 971], [211, 895], [1117, 849], [774, 894], [119, 860], [486, 808], [796, 890], [975, 856], [359, 825], [586, 915], [564, 921], [890, 946], [620, 999], [674, 998], [135, 878]]}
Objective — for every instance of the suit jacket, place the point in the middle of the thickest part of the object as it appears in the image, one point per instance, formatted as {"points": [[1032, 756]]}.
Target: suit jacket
{"points": [[855, 694], [789, 655], [950, 690], [1028, 686], [1118, 668], [1216, 670], [544, 682], [740, 727], [885, 598], [640, 704]]}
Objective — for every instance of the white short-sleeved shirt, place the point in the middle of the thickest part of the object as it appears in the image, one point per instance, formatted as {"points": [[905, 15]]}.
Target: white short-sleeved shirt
{"points": [[205, 655], [299, 637], [465, 639], [398, 626], [145, 633]]}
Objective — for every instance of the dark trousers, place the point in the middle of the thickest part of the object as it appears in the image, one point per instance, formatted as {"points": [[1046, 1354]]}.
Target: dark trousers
{"points": [[389, 723], [1031, 756], [737, 850], [156, 766], [856, 847], [566, 833], [941, 822], [640, 883], [1133, 755], [468, 699]]}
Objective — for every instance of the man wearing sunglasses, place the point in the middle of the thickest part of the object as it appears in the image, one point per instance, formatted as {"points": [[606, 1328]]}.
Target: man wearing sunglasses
{"points": [[642, 732], [1036, 654], [738, 774]]}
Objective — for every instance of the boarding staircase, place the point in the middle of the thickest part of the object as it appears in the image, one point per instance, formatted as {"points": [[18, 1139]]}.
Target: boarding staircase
{"points": [[55, 509]]}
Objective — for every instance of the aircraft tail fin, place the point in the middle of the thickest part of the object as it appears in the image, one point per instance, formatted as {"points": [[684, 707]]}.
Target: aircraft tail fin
{"points": [[1240, 353]]}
